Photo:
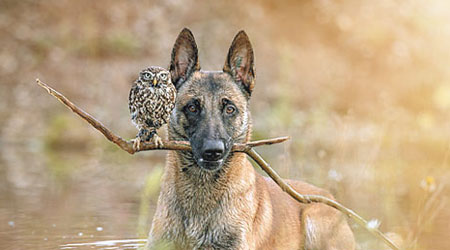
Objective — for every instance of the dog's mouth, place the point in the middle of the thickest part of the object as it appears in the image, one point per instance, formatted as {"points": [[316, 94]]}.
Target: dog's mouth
{"points": [[210, 165]]}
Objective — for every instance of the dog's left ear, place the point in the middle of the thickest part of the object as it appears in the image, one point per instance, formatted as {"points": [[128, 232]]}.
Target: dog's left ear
{"points": [[239, 63]]}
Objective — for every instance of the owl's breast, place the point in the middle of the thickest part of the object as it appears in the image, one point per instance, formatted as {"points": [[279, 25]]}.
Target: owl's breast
{"points": [[157, 104]]}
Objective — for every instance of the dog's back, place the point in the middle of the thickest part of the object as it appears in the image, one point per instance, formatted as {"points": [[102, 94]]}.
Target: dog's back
{"points": [[212, 198], [319, 226]]}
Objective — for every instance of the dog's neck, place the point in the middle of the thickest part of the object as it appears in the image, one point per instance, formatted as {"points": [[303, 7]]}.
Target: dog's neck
{"points": [[198, 190]]}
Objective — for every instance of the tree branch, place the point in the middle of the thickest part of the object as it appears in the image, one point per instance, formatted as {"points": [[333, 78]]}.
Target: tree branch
{"points": [[128, 145], [246, 148]]}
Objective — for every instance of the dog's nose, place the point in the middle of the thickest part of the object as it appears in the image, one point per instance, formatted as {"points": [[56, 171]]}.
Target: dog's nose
{"points": [[213, 150]]}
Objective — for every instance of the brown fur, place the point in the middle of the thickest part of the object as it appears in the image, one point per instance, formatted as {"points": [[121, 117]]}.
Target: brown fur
{"points": [[232, 207]]}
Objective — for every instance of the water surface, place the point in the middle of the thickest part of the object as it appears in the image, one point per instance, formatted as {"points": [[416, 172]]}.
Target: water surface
{"points": [[74, 199]]}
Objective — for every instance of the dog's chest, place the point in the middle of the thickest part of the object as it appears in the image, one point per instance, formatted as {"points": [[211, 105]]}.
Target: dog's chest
{"points": [[206, 226], [214, 233]]}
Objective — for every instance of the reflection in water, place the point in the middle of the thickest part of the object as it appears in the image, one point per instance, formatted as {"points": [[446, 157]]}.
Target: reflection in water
{"points": [[107, 244], [66, 199]]}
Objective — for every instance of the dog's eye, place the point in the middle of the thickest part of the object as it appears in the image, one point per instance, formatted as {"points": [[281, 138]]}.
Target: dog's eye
{"points": [[230, 109], [192, 108]]}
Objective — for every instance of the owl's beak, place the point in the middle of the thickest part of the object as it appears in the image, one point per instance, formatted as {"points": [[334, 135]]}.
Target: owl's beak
{"points": [[155, 81]]}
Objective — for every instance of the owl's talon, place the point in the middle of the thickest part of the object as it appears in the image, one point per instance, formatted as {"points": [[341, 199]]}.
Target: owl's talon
{"points": [[137, 144], [157, 141]]}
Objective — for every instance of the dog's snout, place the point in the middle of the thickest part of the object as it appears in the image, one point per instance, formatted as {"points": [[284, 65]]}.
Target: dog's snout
{"points": [[213, 150]]}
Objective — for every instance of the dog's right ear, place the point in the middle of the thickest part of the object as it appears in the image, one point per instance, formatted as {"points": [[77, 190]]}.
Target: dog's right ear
{"points": [[184, 58]]}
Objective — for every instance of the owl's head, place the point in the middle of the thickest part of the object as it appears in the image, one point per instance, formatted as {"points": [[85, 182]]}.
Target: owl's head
{"points": [[155, 76]]}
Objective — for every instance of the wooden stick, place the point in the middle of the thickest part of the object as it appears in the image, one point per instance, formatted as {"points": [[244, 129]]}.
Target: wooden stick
{"points": [[128, 145], [246, 148]]}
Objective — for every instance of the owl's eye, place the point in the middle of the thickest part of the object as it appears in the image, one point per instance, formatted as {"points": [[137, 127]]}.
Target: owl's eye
{"points": [[163, 76], [230, 109], [147, 76]]}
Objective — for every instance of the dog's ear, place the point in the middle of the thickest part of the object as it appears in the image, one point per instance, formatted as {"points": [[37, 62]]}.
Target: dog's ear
{"points": [[239, 62], [184, 58]]}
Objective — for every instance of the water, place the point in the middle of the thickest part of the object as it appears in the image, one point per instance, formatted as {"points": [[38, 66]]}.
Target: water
{"points": [[100, 198], [107, 244]]}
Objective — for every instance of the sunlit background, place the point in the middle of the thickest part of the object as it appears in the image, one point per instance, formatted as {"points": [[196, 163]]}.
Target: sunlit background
{"points": [[361, 86]]}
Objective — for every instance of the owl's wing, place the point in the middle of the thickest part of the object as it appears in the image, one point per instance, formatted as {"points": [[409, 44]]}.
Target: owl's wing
{"points": [[172, 94], [133, 100]]}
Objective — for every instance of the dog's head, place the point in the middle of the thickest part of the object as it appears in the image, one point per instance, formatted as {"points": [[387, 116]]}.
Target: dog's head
{"points": [[211, 111]]}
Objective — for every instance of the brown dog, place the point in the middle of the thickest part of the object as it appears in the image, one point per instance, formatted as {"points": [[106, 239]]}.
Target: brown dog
{"points": [[211, 198]]}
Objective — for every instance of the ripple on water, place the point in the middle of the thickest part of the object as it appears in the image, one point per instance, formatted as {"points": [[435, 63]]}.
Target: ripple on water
{"points": [[126, 244]]}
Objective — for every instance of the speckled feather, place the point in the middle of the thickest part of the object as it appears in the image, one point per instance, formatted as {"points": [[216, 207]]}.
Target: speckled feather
{"points": [[150, 105]]}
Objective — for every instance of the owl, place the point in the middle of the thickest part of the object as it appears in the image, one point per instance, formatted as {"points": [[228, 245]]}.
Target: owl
{"points": [[151, 100]]}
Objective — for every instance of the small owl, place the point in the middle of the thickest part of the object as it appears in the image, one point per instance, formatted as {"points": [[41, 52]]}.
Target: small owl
{"points": [[151, 100]]}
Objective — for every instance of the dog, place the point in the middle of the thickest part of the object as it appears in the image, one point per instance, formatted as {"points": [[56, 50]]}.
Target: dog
{"points": [[212, 198]]}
